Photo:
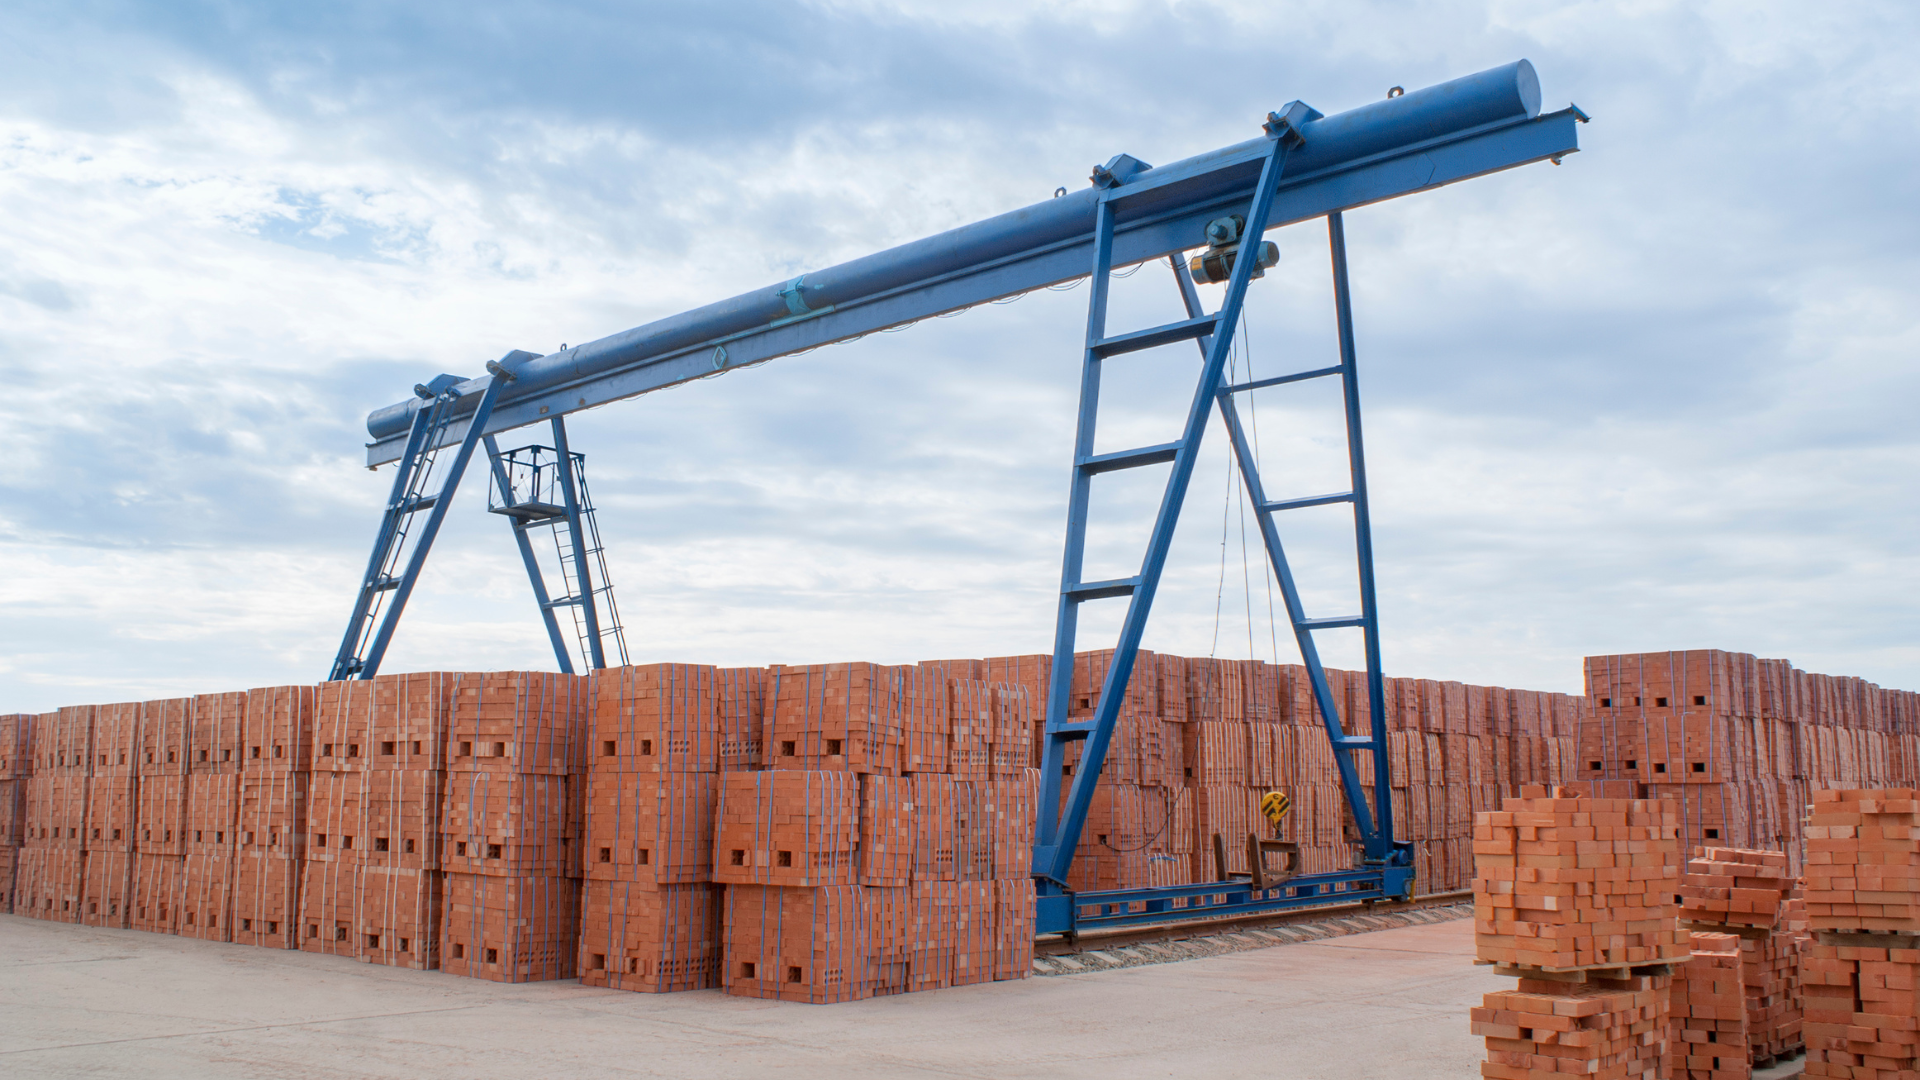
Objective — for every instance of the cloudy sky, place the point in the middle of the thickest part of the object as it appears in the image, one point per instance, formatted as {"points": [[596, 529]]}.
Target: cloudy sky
{"points": [[1662, 396]]}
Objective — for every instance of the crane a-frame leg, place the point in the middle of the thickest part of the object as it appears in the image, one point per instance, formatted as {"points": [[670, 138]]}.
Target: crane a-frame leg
{"points": [[1060, 821]]}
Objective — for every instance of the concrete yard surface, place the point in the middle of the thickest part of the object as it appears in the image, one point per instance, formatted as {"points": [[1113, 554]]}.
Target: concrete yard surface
{"points": [[83, 1002]]}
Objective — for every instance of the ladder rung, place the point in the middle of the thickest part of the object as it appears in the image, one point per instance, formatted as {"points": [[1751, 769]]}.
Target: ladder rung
{"points": [[1153, 336], [1311, 500], [1332, 624], [1298, 376], [1132, 459], [1101, 590]]}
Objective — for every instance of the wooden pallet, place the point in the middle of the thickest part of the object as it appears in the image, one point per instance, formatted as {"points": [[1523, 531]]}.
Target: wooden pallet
{"points": [[1590, 973], [1866, 939], [1751, 933]]}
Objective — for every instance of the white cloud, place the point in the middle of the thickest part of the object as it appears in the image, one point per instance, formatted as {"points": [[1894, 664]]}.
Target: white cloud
{"points": [[1654, 398]]}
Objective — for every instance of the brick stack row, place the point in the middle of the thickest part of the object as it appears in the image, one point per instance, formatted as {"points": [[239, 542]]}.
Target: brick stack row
{"points": [[372, 877], [16, 766], [50, 881], [888, 848], [1735, 1003], [1739, 742], [1199, 741], [276, 754], [1861, 973], [658, 737], [1574, 896], [512, 824]]}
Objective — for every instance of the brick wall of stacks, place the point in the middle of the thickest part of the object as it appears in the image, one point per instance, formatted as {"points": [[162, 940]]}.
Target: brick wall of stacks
{"points": [[479, 823]]}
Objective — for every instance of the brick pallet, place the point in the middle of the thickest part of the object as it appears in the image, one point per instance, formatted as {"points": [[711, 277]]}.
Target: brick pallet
{"points": [[1574, 896], [510, 836], [1861, 974], [1739, 742], [657, 736]]}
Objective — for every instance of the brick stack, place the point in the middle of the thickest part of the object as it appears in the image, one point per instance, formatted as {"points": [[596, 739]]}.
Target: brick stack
{"points": [[1545, 1030], [1568, 883], [51, 878], [16, 765], [1743, 892], [112, 802], [655, 740], [1573, 896], [1709, 1038], [216, 730], [372, 881], [1740, 742], [510, 836], [271, 829], [1861, 974], [880, 872], [740, 698]]}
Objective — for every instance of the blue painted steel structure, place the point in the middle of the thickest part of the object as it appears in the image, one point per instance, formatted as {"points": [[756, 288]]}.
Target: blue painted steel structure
{"points": [[539, 488], [1305, 166], [385, 586]]}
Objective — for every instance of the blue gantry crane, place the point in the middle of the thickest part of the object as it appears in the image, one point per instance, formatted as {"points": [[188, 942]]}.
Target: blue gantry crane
{"points": [[1302, 166]]}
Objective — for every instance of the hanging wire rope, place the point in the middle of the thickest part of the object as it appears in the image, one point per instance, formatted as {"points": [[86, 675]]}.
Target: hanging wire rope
{"points": [[1253, 421]]}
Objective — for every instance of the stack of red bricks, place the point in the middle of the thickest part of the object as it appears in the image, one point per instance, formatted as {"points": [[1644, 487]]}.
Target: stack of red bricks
{"points": [[895, 854], [1735, 902], [1547, 1030], [276, 754], [1740, 742], [372, 882], [1574, 896], [512, 826], [1710, 1038], [1200, 740], [16, 765], [216, 726], [657, 737], [51, 878], [1567, 883], [108, 837], [1861, 973]]}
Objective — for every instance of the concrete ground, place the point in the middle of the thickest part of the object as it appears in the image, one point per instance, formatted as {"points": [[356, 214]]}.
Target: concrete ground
{"points": [[79, 1002]]}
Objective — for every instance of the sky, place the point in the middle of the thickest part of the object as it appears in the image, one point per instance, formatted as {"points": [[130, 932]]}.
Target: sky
{"points": [[1660, 396]]}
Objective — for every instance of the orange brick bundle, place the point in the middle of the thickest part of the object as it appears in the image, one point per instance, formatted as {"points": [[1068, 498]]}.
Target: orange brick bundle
{"points": [[810, 944], [510, 840], [1861, 974], [836, 716], [926, 714], [1548, 1031], [650, 937], [1863, 861], [1861, 1003], [16, 764], [1710, 1038], [657, 735], [791, 827], [1734, 887], [1568, 883], [655, 718], [271, 827], [1742, 892], [1770, 967], [372, 885], [740, 700]]}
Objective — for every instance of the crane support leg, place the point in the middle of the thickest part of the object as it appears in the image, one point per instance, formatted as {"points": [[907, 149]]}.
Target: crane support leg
{"points": [[376, 614], [1385, 871]]}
